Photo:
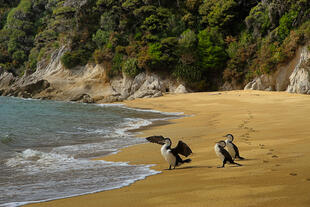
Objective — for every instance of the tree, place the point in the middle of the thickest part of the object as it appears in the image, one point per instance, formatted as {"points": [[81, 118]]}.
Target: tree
{"points": [[212, 55]]}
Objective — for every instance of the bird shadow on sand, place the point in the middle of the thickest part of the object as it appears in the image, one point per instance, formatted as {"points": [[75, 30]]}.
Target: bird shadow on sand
{"points": [[191, 167], [245, 159]]}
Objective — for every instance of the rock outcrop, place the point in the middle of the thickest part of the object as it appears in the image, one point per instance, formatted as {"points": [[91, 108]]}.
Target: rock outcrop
{"points": [[86, 84], [142, 86], [293, 77], [264, 83], [300, 78]]}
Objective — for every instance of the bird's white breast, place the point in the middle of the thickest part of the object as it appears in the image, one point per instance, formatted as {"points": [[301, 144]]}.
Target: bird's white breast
{"points": [[230, 149], [218, 152], [169, 157]]}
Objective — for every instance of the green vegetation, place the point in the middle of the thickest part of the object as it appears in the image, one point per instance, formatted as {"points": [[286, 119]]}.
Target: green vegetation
{"points": [[200, 42]]}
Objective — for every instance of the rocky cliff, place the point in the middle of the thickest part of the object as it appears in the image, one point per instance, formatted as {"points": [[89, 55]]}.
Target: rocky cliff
{"points": [[87, 83], [292, 77]]}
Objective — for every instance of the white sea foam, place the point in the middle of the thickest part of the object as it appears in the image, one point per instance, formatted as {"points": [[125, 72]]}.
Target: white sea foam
{"points": [[52, 163], [142, 110]]}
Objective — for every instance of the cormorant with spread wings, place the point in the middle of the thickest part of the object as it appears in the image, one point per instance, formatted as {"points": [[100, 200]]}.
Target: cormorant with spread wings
{"points": [[171, 155]]}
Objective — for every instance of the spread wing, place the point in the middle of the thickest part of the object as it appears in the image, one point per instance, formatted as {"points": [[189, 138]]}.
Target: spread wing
{"points": [[156, 139], [182, 149]]}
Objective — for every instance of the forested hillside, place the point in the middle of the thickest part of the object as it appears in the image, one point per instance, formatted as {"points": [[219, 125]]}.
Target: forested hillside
{"points": [[200, 42]]}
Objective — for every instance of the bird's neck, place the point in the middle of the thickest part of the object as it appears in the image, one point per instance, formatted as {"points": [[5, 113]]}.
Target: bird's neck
{"points": [[167, 146]]}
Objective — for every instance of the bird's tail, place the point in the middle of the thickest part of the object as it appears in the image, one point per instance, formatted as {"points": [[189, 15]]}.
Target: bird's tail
{"points": [[233, 162], [186, 161], [240, 158]]}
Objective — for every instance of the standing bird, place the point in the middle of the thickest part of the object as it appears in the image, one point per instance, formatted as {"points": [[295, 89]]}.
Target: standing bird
{"points": [[171, 155], [232, 148], [223, 154]]}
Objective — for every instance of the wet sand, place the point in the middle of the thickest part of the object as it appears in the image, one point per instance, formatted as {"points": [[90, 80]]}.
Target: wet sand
{"points": [[271, 129]]}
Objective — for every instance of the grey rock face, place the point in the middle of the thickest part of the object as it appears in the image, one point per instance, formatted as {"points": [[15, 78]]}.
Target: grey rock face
{"points": [[143, 86], [6, 79], [293, 77], [263, 83], [300, 78]]}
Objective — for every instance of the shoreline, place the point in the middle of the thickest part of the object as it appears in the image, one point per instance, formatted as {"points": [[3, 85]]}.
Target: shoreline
{"points": [[266, 177], [133, 133]]}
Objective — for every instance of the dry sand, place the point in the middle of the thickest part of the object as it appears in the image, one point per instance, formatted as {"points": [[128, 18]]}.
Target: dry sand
{"points": [[272, 131]]}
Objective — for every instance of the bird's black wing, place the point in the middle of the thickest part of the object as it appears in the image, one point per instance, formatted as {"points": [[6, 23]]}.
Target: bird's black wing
{"points": [[156, 139], [226, 155], [182, 149], [236, 149]]}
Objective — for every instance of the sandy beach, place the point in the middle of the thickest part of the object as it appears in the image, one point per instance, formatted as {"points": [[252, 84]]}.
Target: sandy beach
{"points": [[272, 132]]}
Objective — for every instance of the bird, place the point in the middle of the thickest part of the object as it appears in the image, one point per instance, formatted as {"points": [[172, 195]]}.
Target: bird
{"points": [[171, 155], [232, 148], [223, 154]]}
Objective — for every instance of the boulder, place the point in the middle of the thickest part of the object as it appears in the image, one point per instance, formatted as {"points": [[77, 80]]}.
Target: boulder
{"points": [[35, 87], [6, 79], [180, 89], [264, 83], [84, 98]]}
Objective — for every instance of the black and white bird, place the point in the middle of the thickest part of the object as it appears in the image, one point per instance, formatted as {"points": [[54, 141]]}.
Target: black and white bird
{"points": [[223, 154], [232, 148], [171, 155]]}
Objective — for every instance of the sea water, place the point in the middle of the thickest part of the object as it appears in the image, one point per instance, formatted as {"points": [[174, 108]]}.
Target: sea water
{"points": [[46, 148]]}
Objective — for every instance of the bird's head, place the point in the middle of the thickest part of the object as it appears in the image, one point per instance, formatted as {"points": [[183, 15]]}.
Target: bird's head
{"points": [[167, 141], [221, 143], [229, 137]]}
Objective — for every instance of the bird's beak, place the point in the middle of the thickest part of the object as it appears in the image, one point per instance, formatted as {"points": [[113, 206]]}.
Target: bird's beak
{"points": [[224, 136]]}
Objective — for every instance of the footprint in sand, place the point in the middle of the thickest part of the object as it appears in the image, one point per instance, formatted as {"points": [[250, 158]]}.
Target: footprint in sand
{"points": [[293, 174], [252, 130], [308, 179], [269, 153], [275, 156], [271, 150], [265, 161]]}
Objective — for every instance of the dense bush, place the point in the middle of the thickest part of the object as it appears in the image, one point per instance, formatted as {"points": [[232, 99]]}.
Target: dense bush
{"points": [[130, 67], [201, 42], [212, 55], [74, 58]]}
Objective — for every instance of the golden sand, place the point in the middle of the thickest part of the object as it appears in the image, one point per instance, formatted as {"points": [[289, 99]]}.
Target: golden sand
{"points": [[271, 129]]}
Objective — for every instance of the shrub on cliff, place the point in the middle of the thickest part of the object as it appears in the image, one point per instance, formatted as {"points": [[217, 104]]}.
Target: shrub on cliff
{"points": [[130, 67], [74, 58]]}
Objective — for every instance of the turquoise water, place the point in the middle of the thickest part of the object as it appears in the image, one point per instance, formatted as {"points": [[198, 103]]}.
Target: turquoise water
{"points": [[46, 148]]}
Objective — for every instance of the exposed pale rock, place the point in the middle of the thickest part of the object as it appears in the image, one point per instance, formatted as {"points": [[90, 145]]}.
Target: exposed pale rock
{"points": [[180, 89], [292, 77], [6, 79], [300, 78], [142, 86], [85, 83], [263, 82]]}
